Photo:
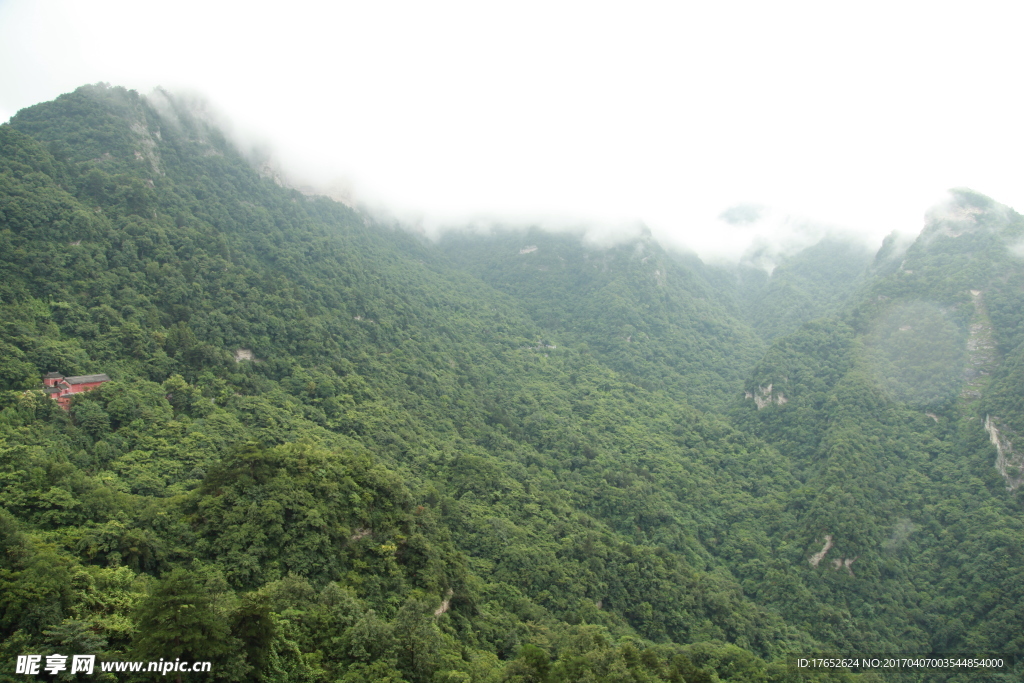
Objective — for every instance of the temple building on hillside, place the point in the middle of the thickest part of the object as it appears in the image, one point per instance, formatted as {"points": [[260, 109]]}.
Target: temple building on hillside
{"points": [[61, 388]]}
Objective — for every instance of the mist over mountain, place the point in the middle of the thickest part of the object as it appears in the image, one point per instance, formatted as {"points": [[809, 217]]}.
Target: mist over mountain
{"points": [[342, 451]]}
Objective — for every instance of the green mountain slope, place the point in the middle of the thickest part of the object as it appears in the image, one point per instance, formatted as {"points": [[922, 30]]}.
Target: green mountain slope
{"points": [[815, 282], [641, 310], [366, 457], [501, 478], [884, 413]]}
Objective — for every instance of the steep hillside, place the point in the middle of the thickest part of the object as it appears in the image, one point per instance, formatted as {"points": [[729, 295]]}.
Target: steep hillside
{"points": [[363, 457], [893, 417], [371, 464], [813, 283], [662, 317], [644, 312]]}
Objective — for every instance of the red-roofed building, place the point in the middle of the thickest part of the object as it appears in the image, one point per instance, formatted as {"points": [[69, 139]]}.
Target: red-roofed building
{"points": [[61, 388]]}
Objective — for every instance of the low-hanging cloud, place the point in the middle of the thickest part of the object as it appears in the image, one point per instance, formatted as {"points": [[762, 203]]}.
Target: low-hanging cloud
{"points": [[569, 114], [752, 233]]}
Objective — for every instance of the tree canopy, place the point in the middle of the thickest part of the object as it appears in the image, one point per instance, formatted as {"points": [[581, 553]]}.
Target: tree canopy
{"points": [[332, 450]]}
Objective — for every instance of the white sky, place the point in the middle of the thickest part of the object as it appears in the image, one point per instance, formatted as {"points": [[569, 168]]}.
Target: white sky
{"points": [[857, 115]]}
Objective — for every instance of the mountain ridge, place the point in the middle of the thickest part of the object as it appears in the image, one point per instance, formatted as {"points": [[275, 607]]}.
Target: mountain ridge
{"points": [[488, 434]]}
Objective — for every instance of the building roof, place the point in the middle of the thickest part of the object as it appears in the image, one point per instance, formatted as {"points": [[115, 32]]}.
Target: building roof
{"points": [[86, 379], [53, 375]]}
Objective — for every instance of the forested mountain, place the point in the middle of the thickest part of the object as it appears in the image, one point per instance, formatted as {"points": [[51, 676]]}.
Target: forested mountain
{"points": [[356, 455], [641, 310], [886, 419], [815, 282]]}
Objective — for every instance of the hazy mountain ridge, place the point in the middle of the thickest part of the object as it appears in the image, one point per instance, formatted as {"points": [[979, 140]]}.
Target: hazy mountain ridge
{"points": [[641, 310], [489, 436], [883, 407]]}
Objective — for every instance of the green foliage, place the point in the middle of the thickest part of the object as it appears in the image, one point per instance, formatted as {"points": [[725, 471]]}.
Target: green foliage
{"points": [[645, 312], [181, 618], [917, 354], [812, 283], [333, 452], [296, 509]]}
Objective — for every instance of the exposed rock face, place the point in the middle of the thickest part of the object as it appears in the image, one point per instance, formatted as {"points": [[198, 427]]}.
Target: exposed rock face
{"points": [[145, 139], [838, 563], [1009, 463], [444, 603], [765, 396], [817, 557], [981, 350], [953, 220]]}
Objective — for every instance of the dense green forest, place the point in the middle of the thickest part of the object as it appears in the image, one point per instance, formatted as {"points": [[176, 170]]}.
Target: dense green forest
{"points": [[333, 451]]}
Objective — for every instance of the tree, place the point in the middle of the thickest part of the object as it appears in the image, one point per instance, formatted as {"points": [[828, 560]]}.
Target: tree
{"points": [[180, 619], [252, 624]]}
